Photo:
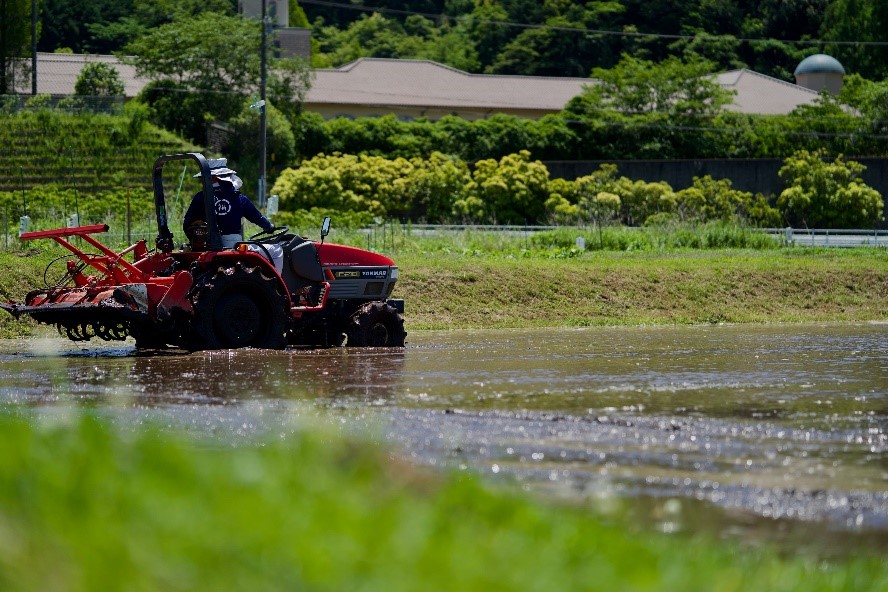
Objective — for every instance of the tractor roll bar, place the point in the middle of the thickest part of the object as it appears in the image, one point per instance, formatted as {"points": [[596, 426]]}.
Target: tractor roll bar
{"points": [[214, 240]]}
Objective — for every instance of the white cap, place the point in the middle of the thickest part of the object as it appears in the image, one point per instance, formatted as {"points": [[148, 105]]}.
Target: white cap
{"points": [[218, 168]]}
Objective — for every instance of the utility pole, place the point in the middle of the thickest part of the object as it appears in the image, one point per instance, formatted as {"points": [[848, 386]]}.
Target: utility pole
{"points": [[34, 47], [262, 107]]}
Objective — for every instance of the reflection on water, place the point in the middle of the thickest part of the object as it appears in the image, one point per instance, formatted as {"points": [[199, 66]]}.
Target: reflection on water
{"points": [[776, 429]]}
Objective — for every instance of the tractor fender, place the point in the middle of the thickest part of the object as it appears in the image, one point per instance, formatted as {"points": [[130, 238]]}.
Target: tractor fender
{"points": [[176, 296], [213, 261], [302, 257]]}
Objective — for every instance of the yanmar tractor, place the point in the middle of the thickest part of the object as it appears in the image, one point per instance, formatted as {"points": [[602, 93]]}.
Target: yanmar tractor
{"points": [[273, 290]]}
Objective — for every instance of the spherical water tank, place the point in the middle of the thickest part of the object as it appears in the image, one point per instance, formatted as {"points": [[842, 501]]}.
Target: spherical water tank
{"points": [[820, 71]]}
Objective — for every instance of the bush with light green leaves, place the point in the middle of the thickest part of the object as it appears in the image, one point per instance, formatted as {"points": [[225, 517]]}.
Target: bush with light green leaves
{"points": [[711, 199], [512, 190], [824, 194], [601, 196], [346, 182], [416, 188]]}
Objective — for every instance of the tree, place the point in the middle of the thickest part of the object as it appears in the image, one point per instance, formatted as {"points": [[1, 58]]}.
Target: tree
{"points": [[15, 43], [288, 81], [105, 26], [280, 143], [870, 99], [175, 107], [214, 58], [370, 36], [378, 36], [858, 20], [827, 195], [561, 46], [210, 52], [99, 80], [296, 15], [672, 87], [78, 24], [639, 109]]}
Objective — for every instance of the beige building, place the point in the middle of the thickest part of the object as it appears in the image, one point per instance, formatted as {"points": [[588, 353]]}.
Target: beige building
{"points": [[412, 89], [57, 73]]}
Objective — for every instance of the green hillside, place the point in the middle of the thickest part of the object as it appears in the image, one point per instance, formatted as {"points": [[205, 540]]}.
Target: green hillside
{"points": [[89, 152]]}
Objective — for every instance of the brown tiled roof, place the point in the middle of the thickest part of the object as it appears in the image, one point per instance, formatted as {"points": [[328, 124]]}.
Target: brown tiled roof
{"points": [[764, 95], [423, 83]]}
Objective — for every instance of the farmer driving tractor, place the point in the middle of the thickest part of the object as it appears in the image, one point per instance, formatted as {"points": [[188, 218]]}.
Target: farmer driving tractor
{"points": [[231, 206]]}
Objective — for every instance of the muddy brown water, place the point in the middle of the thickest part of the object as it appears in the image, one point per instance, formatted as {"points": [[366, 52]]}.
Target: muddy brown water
{"points": [[775, 433]]}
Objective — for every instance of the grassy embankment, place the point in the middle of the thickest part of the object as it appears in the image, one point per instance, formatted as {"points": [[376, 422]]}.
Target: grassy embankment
{"points": [[691, 287], [84, 507], [486, 289]]}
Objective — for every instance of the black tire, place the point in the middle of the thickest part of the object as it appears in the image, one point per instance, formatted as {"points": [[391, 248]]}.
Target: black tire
{"points": [[239, 307], [376, 324], [146, 338]]}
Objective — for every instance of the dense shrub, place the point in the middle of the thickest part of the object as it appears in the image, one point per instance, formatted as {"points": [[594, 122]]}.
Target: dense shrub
{"points": [[828, 195], [512, 190], [347, 183], [495, 137], [98, 80], [602, 196], [709, 199], [589, 132]]}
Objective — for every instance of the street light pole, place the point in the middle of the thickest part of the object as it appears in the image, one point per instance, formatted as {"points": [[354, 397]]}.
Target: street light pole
{"points": [[33, 47], [263, 108]]}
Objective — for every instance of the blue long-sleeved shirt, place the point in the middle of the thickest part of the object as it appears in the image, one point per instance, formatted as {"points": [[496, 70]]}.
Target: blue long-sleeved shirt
{"points": [[231, 206]]}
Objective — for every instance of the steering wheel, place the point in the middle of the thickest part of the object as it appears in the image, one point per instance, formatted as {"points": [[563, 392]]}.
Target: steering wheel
{"points": [[272, 235]]}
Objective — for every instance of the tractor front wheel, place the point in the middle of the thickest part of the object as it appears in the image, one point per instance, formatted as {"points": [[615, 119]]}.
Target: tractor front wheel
{"points": [[376, 324], [239, 307]]}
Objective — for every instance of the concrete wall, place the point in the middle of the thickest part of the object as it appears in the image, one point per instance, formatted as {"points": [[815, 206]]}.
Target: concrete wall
{"points": [[277, 10], [758, 175], [292, 42]]}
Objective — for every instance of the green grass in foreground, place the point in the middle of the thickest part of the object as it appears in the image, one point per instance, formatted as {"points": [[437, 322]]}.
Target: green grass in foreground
{"points": [[85, 507]]}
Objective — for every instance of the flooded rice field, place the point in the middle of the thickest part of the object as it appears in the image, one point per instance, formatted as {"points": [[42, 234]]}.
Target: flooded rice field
{"points": [[775, 433]]}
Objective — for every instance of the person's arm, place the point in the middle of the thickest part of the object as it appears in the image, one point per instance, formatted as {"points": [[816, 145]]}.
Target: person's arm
{"points": [[192, 213], [251, 213]]}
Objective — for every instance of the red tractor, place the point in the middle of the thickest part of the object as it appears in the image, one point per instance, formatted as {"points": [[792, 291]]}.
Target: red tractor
{"points": [[273, 290]]}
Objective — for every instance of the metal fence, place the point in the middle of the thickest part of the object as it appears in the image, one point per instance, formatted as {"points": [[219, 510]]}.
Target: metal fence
{"points": [[831, 238], [797, 237], [10, 104], [388, 233]]}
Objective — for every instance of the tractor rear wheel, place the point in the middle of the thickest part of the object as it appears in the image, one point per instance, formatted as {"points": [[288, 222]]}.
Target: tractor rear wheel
{"points": [[239, 307], [146, 338], [376, 324]]}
